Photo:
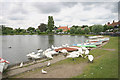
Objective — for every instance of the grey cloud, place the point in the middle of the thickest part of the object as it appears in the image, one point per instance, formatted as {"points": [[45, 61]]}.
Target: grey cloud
{"points": [[53, 7], [58, 20], [19, 8], [113, 6], [16, 17]]}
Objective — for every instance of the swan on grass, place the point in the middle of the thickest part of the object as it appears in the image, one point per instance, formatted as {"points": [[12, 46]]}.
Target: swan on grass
{"points": [[86, 53], [48, 64], [73, 55], [90, 58], [21, 64], [44, 72]]}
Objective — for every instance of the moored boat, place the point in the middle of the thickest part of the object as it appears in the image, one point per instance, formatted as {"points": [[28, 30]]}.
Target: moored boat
{"points": [[3, 64]]}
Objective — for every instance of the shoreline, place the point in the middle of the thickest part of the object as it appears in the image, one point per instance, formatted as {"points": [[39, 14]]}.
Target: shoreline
{"points": [[9, 73]]}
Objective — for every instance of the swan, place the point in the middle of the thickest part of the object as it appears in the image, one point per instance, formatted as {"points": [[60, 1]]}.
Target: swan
{"points": [[73, 54], [86, 53], [63, 51], [48, 64], [49, 49], [65, 45], [84, 48], [90, 57], [40, 50], [29, 54], [44, 72], [48, 55], [21, 64]]}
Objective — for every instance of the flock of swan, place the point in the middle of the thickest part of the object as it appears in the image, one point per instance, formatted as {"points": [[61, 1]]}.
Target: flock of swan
{"points": [[51, 51], [82, 51]]}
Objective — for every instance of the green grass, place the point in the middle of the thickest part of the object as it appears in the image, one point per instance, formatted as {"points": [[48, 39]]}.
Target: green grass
{"points": [[108, 61]]}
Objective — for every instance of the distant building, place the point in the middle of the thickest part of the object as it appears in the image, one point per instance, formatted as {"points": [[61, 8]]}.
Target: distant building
{"points": [[64, 28], [114, 24]]}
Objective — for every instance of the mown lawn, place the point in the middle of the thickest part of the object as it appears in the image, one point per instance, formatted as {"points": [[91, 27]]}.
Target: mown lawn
{"points": [[106, 66]]}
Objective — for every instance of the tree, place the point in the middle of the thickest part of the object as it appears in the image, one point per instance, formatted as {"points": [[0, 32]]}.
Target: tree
{"points": [[48, 31], [50, 23], [75, 26], [84, 26], [31, 29], [60, 30], [97, 28], [90, 28], [110, 27], [42, 27], [105, 27], [87, 30], [6, 30], [72, 30]]}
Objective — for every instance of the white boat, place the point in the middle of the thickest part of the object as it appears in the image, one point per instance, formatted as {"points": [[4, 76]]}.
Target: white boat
{"points": [[3, 64], [94, 37]]}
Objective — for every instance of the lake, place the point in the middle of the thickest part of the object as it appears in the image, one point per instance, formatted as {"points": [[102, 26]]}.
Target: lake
{"points": [[23, 44]]}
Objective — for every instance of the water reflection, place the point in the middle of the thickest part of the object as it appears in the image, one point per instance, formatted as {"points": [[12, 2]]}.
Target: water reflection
{"points": [[51, 40]]}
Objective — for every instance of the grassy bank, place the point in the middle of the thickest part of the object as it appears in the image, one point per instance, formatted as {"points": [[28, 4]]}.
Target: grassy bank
{"points": [[107, 65]]}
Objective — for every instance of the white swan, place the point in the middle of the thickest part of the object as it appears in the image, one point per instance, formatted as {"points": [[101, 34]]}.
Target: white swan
{"points": [[44, 72], [21, 64], [65, 45], [73, 54], [48, 64], [86, 53], [84, 48], [63, 51], [48, 55], [90, 57], [40, 50]]}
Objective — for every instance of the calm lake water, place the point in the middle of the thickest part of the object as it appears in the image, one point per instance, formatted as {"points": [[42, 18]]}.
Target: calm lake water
{"points": [[23, 44]]}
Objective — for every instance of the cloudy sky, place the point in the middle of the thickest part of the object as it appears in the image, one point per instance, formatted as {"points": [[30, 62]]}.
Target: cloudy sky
{"points": [[27, 14]]}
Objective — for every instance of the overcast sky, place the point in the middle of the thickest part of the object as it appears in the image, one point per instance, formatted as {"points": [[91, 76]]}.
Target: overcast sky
{"points": [[27, 14]]}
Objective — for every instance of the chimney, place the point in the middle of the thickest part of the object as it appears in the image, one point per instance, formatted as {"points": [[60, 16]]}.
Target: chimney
{"points": [[113, 21], [108, 23]]}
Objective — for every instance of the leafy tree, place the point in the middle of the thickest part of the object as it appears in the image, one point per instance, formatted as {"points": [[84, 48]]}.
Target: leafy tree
{"points": [[84, 26], [61, 30], [50, 23], [90, 28], [38, 31], [72, 30], [6, 30], [97, 28], [48, 31], [75, 26], [110, 27], [87, 30], [42, 27], [105, 27], [31, 29]]}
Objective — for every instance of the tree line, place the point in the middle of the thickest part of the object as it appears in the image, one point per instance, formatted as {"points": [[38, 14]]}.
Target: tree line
{"points": [[50, 28]]}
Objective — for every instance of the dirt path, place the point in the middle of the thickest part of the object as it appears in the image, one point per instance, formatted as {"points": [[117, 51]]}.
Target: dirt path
{"points": [[58, 71], [32, 67]]}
